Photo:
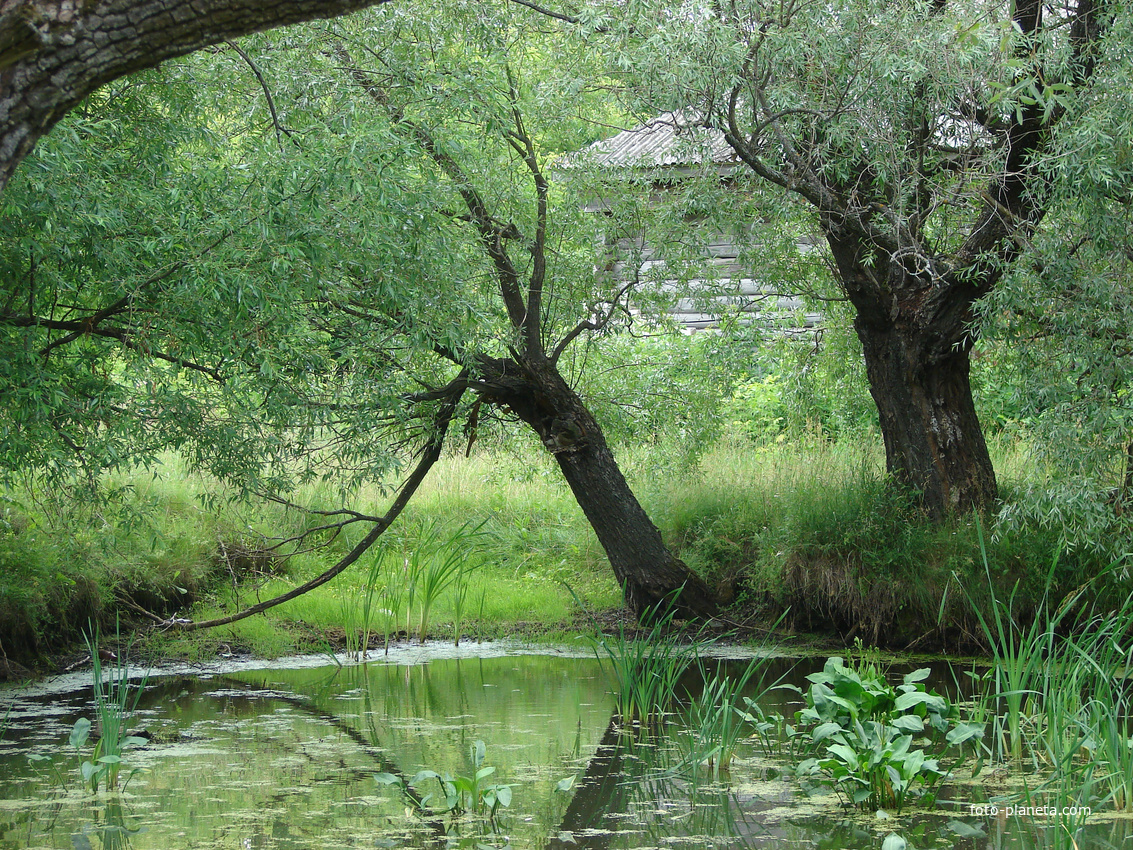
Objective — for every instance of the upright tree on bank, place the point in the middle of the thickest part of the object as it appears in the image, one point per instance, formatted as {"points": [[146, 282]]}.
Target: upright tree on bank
{"points": [[914, 131]]}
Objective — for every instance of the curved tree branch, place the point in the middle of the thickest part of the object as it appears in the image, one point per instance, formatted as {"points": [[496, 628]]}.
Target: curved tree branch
{"points": [[280, 130], [429, 455], [123, 336], [521, 141], [1015, 199], [592, 324]]}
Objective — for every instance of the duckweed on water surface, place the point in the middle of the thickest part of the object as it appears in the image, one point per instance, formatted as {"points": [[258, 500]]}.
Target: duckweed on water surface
{"points": [[286, 758]]}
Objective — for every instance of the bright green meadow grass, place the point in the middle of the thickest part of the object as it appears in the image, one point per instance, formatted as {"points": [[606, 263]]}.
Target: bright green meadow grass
{"points": [[809, 524]]}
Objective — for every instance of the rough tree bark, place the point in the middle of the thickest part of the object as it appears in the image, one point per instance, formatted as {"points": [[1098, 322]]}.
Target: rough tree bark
{"points": [[916, 341], [53, 53], [915, 298], [934, 443]]}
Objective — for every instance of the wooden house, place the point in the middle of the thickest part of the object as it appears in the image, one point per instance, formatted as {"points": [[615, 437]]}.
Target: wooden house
{"points": [[656, 157]]}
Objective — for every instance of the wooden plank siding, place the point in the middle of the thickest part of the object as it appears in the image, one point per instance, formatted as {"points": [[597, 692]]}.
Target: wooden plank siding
{"points": [[725, 287], [657, 155]]}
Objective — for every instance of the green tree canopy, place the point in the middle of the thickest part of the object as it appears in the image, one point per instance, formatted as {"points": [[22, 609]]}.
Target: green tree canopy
{"points": [[913, 132], [1067, 314], [333, 242]]}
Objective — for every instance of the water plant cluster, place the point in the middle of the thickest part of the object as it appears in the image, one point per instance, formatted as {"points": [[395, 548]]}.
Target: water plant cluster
{"points": [[100, 746], [870, 729], [1050, 709], [663, 683], [459, 795], [1057, 700], [713, 722], [1053, 709], [647, 669], [877, 744]]}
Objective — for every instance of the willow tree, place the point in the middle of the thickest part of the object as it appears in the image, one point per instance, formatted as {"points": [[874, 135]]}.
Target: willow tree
{"points": [[913, 132], [1066, 316], [518, 248], [371, 254]]}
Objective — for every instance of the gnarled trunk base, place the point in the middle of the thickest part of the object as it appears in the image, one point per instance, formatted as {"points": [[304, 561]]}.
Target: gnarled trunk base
{"points": [[649, 573]]}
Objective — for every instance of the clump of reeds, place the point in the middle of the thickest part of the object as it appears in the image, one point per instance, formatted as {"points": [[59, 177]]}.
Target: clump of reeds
{"points": [[714, 722], [647, 669], [115, 699], [1058, 698]]}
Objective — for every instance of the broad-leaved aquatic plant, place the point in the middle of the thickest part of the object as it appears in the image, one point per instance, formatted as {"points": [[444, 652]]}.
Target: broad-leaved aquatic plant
{"points": [[870, 732], [459, 795]]}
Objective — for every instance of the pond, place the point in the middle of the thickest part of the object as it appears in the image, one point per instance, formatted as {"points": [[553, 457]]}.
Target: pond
{"points": [[285, 756]]}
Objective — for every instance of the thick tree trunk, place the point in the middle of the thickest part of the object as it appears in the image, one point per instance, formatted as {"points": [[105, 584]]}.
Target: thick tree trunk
{"points": [[920, 232], [920, 381], [916, 331], [649, 573], [53, 53]]}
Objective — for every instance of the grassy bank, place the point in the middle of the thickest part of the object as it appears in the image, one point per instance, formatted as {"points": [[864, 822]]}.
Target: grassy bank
{"points": [[166, 543], [808, 526], [812, 527]]}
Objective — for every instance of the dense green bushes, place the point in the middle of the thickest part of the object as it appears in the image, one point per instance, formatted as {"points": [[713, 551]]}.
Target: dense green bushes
{"points": [[813, 526], [72, 559]]}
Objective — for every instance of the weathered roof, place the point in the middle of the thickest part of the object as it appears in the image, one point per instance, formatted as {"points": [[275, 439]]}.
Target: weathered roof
{"points": [[672, 139]]}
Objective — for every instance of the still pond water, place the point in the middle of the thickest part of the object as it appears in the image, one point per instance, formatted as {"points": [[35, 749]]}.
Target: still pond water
{"points": [[284, 757]]}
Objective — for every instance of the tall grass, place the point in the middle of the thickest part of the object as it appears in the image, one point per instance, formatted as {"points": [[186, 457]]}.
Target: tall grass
{"points": [[403, 586], [713, 722], [816, 526], [1103, 650], [1024, 659], [531, 537], [359, 611], [438, 562], [810, 525], [1060, 697]]}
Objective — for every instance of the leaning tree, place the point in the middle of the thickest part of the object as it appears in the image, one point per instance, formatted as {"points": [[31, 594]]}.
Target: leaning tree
{"points": [[418, 75], [914, 133], [373, 253]]}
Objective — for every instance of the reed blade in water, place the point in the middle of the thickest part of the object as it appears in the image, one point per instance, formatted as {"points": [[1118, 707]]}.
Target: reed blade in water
{"points": [[1060, 693], [713, 721], [1020, 674], [115, 700], [1103, 651]]}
